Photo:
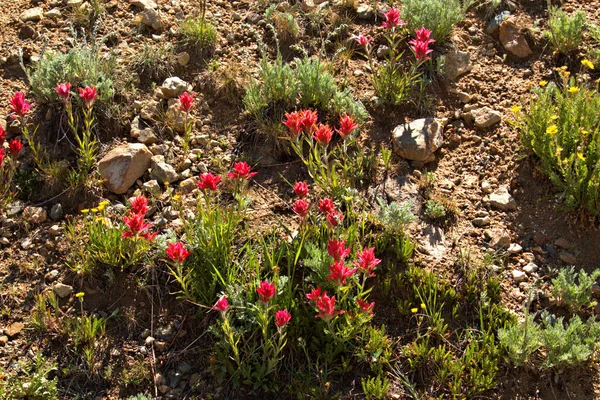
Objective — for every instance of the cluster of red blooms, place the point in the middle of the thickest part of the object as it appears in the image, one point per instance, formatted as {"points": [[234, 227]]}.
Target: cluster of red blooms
{"points": [[137, 228], [187, 101], [266, 291], [392, 19], [326, 206], [14, 146], [241, 170], [19, 107], [307, 121], [420, 45], [87, 94], [177, 252]]}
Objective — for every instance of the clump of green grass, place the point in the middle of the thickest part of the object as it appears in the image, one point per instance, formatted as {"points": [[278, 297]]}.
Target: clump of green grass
{"points": [[566, 32], [31, 382], [154, 61], [198, 33]]}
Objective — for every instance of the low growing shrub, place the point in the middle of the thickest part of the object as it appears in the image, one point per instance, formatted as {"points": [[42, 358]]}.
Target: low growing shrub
{"points": [[438, 15], [198, 33], [574, 289], [566, 32]]}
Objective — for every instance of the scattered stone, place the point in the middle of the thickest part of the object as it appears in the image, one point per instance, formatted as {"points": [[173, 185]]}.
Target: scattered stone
{"points": [[499, 239], [174, 378], [163, 389], [175, 116], [502, 200], [159, 379], [494, 24], [188, 185], [149, 110], [464, 97], [183, 59], [481, 221], [172, 87], [163, 173], [485, 117], [530, 268], [151, 18], [419, 139], [14, 329], [26, 243], [515, 248], [27, 32], [519, 276], [56, 212], [143, 4], [434, 241], [563, 243], [481, 214], [4, 241], [54, 230], [14, 208], [33, 14], [457, 64], [35, 215], [151, 186], [3, 340], [74, 3], [123, 165], [53, 13], [512, 39], [365, 11], [382, 51], [62, 290], [568, 258], [486, 187], [596, 289], [149, 340], [51, 276]]}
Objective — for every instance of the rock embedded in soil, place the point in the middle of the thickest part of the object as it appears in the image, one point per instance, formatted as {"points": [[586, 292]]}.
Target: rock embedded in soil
{"points": [[457, 63], [56, 212], [33, 14], [481, 221], [419, 139], [512, 39], [35, 215], [3, 340], [14, 329], [519, 276], [515, 248], [123, 165], [62, 290], [485, 117], [530, 268], [365, 12], [163, 172], [143, 4], [493, 26], [563, 243], [502, 200], [499, 238], [151, 18], [568, 258], [172, 87]]}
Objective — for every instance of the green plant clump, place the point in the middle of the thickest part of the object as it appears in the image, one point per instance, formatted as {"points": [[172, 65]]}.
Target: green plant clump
{"points": [[198, 32], [562, 128], [32, 381], [566, 32], [437, 15], [574, 289]]}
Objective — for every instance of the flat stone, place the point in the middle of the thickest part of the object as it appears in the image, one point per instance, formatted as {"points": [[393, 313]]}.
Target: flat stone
{"points": [[35, 215], [33, 14], [434, 241], [14, 329], [481, 221], [62, 290], [515, 248], [419, 139], [172, 87], [519, 276], [457, 63], [123, 165], [530, 268], [143, 4], [563, 243], [485, 117], [499, 238], [568, 258], [502, 200], [512, 39], [164, 173]]}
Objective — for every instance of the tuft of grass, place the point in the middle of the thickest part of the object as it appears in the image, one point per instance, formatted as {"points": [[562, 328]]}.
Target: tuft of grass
{"points": [[155, 61], [566, 32], [32, 382], [198, 33]]}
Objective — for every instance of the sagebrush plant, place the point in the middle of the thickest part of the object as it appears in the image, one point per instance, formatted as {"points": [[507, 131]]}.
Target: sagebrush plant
{"points": [[155, 61], [284, 22], [32, 381], [574, 288], [562, 128], [565, 32], [438, 15], [198, 33], [82, 66], [434, 209]]}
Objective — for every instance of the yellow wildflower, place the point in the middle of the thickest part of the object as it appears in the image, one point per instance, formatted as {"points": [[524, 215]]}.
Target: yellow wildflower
{"points": [[580, 156], [551, 130], [515, 109], [177, 197], [94, 210], [553, 117], [414, 310], [584, 132], [588, 64], [558, 151], [423, 306], [573, 89], [167, 183], [80, 295], [85, 211], [543, 83]]}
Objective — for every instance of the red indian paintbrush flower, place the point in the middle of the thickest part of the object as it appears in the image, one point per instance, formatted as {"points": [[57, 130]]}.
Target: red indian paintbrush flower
{"points": [[322, 134], [2, 156], [301, 189], [326, 306], [177, 252], [347, 126], [187, 101], [334, 218], [241, 170], [326, 205], [367, 261], [421, 51], [363, 41], [337, 249], [309, 119], [282, 317], [293, 121], [222, 304], [139, 205], [423, 35], [63, 90], [266, 291], [2, 135], [19, 105], [315, 294], [137, 227], [15, 147], [366, 306], [339, 272], [88, 95], [392, 18], [301, 208], [209, 181]]}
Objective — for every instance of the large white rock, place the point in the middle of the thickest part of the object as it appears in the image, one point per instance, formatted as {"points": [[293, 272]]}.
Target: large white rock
{"points": [[419, 139], [123, 165]]}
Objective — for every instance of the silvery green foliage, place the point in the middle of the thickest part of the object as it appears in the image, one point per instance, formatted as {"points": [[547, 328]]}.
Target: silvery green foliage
{"points": [[395, 216], [574, 289], [439, 16]]}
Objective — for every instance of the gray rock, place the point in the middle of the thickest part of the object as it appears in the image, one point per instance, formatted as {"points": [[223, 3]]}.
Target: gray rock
{"points": [[530, 268], [485, 117], [56, 212], [151, 18], [365, 12], [502, 200], [568, 258], [151, 186], [434, 241], [52, 275], [499, 238], [512, 39], [163, 172], [494, 24], [184, 367], [172, 87], [123, 165], [382, 51], [35, 215], [54, 13], [62, 290], [33, 14], [419, 139], [457, 64], [515, 248], [14, 208], [54, 230], [481, 221], [519, 276], [149, 110], [143, 4]]}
